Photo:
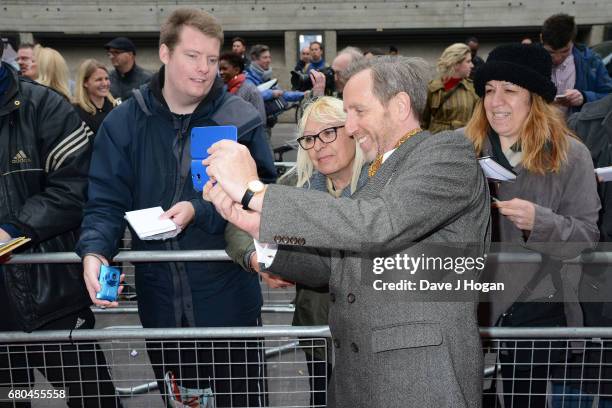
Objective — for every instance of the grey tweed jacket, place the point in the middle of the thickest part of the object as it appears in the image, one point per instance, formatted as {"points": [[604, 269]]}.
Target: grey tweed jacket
{"points": [[391, 349]]}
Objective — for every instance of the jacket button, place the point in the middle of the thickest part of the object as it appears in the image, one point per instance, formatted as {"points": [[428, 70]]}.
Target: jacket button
{"points": [[350, 298], [354, 348], [332, 297], [336, 343], [301, 241], [293, 240]]}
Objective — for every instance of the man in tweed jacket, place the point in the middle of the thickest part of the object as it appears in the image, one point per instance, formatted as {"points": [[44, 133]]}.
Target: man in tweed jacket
{"points": [[392, 348]]}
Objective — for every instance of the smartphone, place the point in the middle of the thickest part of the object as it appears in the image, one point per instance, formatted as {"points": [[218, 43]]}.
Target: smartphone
{"points": [[560, 98], [202, 138], [109, 283]]}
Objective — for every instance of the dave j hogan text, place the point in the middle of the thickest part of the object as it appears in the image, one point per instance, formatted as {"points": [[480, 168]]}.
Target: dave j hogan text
{"points": [[468, 285]]}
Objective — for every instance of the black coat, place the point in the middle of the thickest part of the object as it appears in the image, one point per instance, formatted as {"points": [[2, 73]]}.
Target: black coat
{"points": [[44, 157], [593, 125]]}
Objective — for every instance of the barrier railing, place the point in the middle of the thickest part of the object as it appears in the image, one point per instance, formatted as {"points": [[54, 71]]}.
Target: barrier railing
{"points": [[524, 367], [547, 367], [251, 366], [275, 301]]}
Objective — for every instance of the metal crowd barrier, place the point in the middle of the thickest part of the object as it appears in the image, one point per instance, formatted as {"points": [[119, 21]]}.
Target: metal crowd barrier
{"points": [[275, 301], [524, 367], [547, 367], [238, 367]]}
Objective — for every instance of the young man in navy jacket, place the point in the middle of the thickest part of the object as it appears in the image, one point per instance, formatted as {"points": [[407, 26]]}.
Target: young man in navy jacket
{"points": [[141, 159]]}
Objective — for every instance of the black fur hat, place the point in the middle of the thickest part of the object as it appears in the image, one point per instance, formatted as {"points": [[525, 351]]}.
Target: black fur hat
{"points": [[528, 66]]}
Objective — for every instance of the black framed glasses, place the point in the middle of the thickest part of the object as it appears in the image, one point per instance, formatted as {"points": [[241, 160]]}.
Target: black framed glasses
{"points": [[326, 136]]}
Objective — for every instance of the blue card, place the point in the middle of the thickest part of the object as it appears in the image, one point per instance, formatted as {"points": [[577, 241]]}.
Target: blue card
{"points": [[202, 138]]}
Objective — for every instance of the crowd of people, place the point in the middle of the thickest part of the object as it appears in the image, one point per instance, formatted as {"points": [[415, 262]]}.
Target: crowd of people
{"points": [[387, 163]]}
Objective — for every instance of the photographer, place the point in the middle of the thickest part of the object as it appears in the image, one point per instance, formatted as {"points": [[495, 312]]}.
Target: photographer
{"points": [[340, 64], [329, 80], [318, 83]]}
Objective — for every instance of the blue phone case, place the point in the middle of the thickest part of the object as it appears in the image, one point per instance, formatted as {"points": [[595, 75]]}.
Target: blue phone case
{"points": [[201, 140], [109, 282]]}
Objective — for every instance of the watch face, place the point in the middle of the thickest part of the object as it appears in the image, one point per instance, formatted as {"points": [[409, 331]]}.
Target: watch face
{"points": [[255, 186]]}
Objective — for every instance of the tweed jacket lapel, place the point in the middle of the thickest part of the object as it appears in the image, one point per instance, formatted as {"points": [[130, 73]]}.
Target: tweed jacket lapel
{"points": [[388, 169]]}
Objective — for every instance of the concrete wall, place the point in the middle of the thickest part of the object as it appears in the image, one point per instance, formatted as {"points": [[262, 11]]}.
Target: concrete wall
{"points": [[79, 29], [89, 16]]}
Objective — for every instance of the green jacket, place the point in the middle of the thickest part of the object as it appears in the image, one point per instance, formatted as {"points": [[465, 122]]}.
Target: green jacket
{"points": [[448, 110]]}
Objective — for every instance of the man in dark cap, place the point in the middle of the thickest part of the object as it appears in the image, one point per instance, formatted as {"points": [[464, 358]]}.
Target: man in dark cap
{"points": [[127, 74]]}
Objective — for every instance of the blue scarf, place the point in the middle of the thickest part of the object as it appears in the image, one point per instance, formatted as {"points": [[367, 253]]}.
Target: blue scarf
{"points": [[264, 74]]}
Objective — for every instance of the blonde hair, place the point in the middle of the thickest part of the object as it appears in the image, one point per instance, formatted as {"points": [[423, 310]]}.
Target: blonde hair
{"points": [[324, 110], [543, 136], [52, 70], [451, 56], [81, 97]]}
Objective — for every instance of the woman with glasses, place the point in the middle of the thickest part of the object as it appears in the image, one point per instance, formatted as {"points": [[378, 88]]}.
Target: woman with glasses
{"points": [[329, 160]]}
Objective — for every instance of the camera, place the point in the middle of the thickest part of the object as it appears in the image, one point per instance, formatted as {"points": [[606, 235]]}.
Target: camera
{"points": [[109, 283], [301, 81]]}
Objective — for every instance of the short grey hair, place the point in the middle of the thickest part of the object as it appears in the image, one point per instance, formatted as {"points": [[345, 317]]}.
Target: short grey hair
{"points": [[394, 74], [354, 52], [257, 50]]}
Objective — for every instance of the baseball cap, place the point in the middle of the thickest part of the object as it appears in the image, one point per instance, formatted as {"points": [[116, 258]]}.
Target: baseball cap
{"points": [[121, 43]]}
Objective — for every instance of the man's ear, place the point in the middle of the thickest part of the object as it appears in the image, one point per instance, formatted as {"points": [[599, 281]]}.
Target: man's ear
{"points": [[403, 105], [164, 53]]}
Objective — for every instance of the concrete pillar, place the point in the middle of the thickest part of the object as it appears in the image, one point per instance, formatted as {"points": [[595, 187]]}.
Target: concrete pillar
{"points": [[597, 34], [330, 39], [26, 38], [291, 50]]}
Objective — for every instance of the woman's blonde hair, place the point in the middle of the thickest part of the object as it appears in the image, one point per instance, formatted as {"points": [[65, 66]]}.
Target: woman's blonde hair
{"points": [[324, 110], [81, 97], [543, 136], [451, 56], [52, 70]]}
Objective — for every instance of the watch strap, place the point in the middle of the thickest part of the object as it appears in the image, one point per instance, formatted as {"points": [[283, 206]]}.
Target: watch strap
{"points": [[246, 199]]}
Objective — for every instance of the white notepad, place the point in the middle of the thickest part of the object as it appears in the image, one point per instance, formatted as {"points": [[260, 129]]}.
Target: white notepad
{"points": [[148, 226], [604, 173], [267, 85], [495, 171]]}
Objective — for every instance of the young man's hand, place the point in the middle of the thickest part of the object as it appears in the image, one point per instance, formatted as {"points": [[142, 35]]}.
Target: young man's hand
{"points": [[181, 214], [91, 275]]}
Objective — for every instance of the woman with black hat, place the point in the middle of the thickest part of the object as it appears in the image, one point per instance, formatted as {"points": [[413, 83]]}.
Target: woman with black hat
{"points": [[550, 209]]}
